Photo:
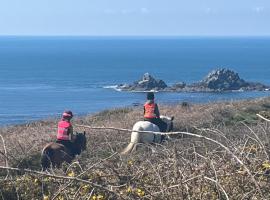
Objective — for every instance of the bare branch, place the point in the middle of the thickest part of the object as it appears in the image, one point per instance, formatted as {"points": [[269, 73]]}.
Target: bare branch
{"points": [[268, 120], [61, 177]]}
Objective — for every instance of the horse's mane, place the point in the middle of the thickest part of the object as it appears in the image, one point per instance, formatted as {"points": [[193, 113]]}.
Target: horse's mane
{"points": [[79, 142], [79, 137]]}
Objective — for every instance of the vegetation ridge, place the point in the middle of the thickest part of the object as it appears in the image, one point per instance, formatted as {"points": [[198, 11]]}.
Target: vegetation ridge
{"points": [[228, 160]]}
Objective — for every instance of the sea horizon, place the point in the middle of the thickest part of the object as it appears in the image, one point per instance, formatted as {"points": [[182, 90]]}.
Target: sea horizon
{"points": [[144, 36]]}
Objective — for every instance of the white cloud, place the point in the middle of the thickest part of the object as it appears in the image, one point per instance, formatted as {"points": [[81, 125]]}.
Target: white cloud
{"points": [[145, 10], [258, 9], [208, 10]]}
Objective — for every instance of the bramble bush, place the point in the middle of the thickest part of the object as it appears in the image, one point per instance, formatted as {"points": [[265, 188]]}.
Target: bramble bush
{"points": [[235, 166]]}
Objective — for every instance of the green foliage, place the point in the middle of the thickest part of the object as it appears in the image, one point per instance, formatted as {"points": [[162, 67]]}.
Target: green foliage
{"points": [[246, 117]]}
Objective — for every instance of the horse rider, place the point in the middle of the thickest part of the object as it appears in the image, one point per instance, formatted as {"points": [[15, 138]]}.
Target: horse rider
{"points": [[65, 131], [151, 112]]}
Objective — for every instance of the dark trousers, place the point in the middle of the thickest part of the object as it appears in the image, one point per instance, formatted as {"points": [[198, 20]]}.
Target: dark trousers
{"points": [[68, 144], [157, 121]]}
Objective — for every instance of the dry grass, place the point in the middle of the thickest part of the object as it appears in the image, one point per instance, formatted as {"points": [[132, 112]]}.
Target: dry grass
{"points": [[184, 168]]}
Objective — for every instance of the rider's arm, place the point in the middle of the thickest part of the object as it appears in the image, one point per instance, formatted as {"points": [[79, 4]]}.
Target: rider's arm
{"points": [[143, 110], [157, 111], [70, 132]]}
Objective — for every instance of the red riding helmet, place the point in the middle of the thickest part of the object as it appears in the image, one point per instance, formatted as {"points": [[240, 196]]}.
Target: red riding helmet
{"points": [[67, 114]]}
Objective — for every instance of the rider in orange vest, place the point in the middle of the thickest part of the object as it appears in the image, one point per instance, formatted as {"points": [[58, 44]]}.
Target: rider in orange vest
{"points": [[65, 131], [151, 112]]}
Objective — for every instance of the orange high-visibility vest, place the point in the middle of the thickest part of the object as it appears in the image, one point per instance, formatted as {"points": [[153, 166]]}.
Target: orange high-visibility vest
{"points": [[63, 127], [149, 110]]}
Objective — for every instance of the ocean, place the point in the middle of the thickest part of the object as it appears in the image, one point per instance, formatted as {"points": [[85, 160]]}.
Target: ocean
{"points": [[42, 76]]}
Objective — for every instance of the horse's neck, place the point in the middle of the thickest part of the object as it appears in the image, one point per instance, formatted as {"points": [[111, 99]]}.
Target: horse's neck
{"points": [[76, 148], [168, 123], [77, 144]]}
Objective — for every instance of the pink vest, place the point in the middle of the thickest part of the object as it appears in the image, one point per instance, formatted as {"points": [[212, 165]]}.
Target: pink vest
{"points": [[63, 127], [150, 110]]}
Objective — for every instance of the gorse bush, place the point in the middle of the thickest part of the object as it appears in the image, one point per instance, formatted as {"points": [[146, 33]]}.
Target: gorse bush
{"points": [[228, 160]]}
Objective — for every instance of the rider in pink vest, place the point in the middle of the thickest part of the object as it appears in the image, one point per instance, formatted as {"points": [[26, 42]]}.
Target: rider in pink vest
{"points": [[65, 131], [151, 112]]}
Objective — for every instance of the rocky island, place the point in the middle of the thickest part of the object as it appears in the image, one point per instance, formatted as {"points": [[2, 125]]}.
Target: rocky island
{"points": [[147, 83], [216, 81]]}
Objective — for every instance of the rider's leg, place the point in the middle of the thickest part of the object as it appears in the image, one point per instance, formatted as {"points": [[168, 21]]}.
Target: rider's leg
{"points": [[161, 124], [70, 147], [68, 144]]}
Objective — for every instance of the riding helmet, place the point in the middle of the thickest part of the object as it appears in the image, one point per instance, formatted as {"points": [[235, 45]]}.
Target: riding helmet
{"points": [[67, 114], [150, 96]]}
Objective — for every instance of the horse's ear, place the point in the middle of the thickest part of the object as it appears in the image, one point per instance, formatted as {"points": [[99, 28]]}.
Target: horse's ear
{"points": [[84, 133], [172, 118]]}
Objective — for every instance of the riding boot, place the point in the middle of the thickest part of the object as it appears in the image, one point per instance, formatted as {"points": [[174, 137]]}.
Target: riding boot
{"points": [[161, 124]]}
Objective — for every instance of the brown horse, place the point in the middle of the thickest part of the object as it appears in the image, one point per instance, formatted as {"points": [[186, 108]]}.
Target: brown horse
{"points": [[55, 154]]}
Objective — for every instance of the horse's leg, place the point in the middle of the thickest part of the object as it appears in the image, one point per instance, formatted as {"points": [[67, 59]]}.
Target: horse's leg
{"points": [[134, 148], [46, 158], [54, 161], [168, 138], [162, 138]]}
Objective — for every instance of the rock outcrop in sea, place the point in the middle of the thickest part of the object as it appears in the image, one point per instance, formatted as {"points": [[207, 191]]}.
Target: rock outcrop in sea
{"points": [[147, 83], [223, 79], [216, 81]]}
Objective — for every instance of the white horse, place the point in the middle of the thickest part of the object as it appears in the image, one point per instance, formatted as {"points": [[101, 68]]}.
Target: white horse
{"points": [[142, 137]]}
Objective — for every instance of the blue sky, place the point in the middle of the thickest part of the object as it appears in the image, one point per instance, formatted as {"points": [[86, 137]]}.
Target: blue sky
{"points": [[135, 17]]}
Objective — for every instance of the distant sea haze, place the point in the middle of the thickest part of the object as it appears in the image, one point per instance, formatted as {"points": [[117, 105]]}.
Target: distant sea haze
{"points": [[42, 76]]}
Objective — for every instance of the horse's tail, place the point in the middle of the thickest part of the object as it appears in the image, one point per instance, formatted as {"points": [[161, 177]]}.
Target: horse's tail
{"points": [[46, 155], [135, 139], [129, 148]]}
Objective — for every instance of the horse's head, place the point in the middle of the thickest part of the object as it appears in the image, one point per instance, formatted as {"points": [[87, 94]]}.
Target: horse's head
{"points": [[80, 142], [168, 121]]}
